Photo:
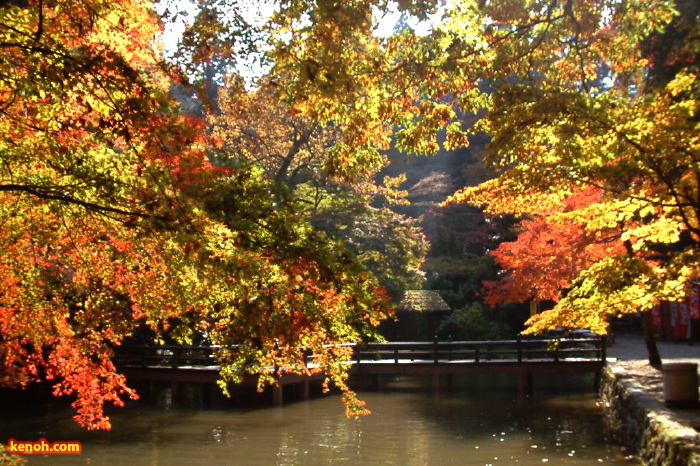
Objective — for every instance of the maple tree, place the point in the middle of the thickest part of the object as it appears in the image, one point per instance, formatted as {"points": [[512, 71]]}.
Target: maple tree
{"points": [[388, 244], [113, 217], [75, 138], [577, 94], [551, 250], [255, 128], [622, 123]]}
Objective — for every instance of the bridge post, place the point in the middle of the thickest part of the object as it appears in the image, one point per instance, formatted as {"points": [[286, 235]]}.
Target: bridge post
{"points": [[174, 390], [449, 382], [277, 389], [175, 356], [379, 382], [603, 353], [603, 348], [520, 349], [152, 389], [435, 353], [597, 377]]}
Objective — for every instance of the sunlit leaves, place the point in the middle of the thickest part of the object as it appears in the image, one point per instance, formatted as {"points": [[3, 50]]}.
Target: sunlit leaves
{"points": [[331, 181], [550, 253], [579, 99], [74, 170], [113, 218], [72, 288]]}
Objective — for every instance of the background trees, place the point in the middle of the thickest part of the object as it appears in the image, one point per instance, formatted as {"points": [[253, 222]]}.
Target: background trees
{"points": [[253, 128], [579, 94], [614, 111]]}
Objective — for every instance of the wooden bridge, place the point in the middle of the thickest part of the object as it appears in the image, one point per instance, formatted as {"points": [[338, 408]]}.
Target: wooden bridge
{"points": [[438, 359]]}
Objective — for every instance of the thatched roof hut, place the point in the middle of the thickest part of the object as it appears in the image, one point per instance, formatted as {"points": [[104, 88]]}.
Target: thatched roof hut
{"points": [[422, 301], [418, 316]]}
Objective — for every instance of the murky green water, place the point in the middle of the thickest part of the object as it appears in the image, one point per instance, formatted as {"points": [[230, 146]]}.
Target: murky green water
{"points": [[409, 426]]}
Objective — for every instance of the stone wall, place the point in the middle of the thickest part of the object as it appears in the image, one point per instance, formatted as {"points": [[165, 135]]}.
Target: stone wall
{"points": [[647, 425]]}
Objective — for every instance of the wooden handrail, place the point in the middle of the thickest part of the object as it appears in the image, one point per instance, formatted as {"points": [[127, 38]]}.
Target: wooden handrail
{"points": [[520, 351]]}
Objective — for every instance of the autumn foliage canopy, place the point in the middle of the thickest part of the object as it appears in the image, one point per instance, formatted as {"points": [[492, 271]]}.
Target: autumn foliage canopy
{"points": [[113, 220], [119, 214]]}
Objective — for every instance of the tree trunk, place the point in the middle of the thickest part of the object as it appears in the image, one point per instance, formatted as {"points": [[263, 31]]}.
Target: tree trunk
{"points": [[650, 339]]}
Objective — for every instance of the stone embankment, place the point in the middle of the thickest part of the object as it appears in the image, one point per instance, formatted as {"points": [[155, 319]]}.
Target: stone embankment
{"points": [[633, 395]]}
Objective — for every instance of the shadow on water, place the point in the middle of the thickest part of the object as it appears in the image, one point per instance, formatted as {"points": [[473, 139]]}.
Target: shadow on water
{"points": [[479, 422]]}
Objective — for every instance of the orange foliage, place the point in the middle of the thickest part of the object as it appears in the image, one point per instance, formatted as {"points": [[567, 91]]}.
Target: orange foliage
{"points": [[550, 253]]}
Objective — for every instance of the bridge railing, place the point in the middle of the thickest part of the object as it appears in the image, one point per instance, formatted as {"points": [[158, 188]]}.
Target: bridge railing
{"points": [[478, 352], [522, 351], [174, 356]]}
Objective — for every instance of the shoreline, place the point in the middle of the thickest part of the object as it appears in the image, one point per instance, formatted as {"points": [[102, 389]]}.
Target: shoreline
{"points": [[632, 394]]}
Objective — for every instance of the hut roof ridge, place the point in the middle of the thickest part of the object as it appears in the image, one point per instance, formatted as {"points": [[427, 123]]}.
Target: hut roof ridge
{"points": [[422, 301]]}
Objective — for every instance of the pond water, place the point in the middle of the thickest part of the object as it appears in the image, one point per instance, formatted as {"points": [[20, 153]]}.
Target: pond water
{"points": [[409, 425]]}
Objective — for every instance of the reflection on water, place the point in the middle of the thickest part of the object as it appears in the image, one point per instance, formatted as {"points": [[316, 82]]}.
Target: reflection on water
{"points": [[407, 427]]}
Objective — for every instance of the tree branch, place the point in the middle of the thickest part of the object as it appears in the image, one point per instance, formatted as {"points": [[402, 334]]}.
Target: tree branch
{"points": [[51, 194]]}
